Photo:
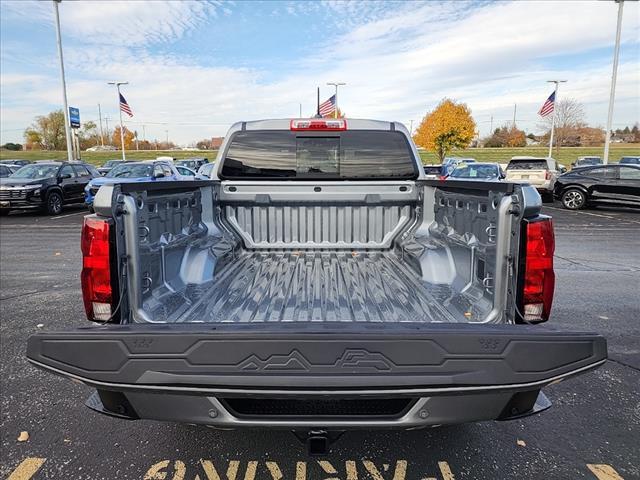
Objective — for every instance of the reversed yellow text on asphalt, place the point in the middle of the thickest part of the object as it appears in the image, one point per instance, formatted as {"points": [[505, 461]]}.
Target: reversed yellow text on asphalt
{"points": [[302, 470]]}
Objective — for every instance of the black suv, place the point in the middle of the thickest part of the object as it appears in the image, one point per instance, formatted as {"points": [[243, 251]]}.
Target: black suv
{"points": [[45, 185]]}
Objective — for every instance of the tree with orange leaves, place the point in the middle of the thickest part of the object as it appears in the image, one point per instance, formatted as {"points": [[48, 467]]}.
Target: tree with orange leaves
{"points": [[447, 127], [129, 138]]}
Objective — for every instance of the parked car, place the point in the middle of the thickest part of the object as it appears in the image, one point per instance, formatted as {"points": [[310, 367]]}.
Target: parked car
{"points": [[46, 185], [130, 172], [102, 148], [192, 163], [604, 184], [108, 165], [630, 161], [186, 172], [540, 173], [7, 169], [586, 162], [317, 284], [487, 172], [204, 172], [450, 163], [432, 172], [15, 161]]}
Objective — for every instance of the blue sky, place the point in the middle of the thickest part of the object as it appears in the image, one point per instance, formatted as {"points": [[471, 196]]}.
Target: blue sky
{"points": [[196, 67]]}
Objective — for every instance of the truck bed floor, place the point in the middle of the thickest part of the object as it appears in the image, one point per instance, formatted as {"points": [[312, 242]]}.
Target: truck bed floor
{"points": [[273, 286]]}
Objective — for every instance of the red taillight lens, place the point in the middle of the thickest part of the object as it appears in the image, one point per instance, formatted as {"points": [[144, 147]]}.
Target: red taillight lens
{"points": [[539, 278], [547, 175], [96, 269], [319, 124]]}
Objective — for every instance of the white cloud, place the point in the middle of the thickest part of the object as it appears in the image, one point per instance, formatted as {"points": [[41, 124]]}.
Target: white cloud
{"points": [[399, 60], [119, 22]]}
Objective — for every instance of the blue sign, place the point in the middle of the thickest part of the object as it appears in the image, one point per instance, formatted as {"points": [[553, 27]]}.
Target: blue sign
{"points": [[74, 117]]}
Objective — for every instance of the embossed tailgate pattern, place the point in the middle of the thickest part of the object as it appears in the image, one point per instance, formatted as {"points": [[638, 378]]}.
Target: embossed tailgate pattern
{"points": [[274, 356]]}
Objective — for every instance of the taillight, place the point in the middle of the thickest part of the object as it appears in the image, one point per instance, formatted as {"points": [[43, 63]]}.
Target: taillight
{"points": [[547, 175], [319, 124], [539, 278], [97, 292]]}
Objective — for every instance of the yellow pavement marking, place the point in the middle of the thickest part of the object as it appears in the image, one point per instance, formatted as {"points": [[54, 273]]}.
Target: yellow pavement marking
{"points": [[274, 470], [445, 470], [301, 470], [603, 471], [27, 468]]}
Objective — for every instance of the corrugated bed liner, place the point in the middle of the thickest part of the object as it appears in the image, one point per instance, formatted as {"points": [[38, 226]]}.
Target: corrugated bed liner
{"points": [[303, 286]]}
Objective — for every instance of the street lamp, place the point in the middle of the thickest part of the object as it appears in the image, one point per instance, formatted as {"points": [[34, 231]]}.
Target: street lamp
{"points": [[614, 75], [67, 122], [117, 84], [336, 84]]}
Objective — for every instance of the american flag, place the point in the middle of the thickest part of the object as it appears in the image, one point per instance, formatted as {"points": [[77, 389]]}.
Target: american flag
{"points": [[329, 107], [547, 107], [124, 106]]}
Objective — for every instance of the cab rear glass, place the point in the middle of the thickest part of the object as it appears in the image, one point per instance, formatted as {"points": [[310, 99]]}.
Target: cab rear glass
{"points": [[283, 154]]}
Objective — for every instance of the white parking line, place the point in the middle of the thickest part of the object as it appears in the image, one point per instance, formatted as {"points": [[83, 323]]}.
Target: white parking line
{"points": [[68, 215], [582, 212]]}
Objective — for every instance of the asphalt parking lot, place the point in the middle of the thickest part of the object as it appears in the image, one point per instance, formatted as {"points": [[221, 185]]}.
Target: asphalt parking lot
{"points": [[592, 431]]}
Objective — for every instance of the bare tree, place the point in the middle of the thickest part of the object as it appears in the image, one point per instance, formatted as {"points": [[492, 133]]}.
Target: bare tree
{"points": [[569, 117]]}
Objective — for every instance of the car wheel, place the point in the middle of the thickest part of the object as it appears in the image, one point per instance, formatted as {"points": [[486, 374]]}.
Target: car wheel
{"points": [[54, 203], [574, 199], [4, 212], [91, 209]]}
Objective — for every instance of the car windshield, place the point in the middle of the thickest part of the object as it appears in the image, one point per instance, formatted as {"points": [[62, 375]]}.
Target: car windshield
{"points": [[36, 171], [112, 163], [591, 160], [206, 169], [527, 165], [351, 154], [475, 171], [131, 171], [630, 160]]}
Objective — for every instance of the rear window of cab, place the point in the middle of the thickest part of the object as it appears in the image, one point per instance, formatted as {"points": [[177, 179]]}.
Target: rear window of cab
{"points": [[349, 154]]}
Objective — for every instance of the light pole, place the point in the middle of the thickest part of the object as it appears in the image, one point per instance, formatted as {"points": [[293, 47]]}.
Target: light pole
{"points": [[101, 133], [67, 122], [553, 115], [614, 75], [336, 84], [117, 84]]}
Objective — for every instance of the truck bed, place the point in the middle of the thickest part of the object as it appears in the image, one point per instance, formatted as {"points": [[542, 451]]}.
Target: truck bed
{"points": [[339, 286], [407, 254]]}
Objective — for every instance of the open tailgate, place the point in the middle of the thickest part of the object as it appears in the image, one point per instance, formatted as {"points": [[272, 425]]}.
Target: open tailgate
{"points": [[426, 358]]}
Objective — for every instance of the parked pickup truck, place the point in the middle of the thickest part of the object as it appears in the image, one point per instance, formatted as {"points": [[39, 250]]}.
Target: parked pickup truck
{"points": [[318, 283]]}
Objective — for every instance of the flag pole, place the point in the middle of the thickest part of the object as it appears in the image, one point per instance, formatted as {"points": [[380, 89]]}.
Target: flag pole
{"points": [[553, 117], [336, 84], [117, 84]]}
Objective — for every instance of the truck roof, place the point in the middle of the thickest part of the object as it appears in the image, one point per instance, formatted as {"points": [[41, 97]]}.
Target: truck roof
{"points": [[285, 124]]}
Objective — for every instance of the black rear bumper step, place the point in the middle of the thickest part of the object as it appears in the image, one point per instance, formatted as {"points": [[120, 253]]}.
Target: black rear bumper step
{"points": [[317, 359]]}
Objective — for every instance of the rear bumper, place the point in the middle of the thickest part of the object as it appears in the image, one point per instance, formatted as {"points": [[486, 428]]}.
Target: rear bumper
{"points": [[447, 374]]}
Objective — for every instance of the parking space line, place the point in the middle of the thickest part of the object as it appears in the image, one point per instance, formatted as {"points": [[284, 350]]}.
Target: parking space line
{"points": [[27, 468], [603, 471], [57, 217]]}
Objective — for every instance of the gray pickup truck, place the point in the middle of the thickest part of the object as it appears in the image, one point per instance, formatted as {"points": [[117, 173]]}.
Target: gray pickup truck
{"points": [[318, 283]]}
